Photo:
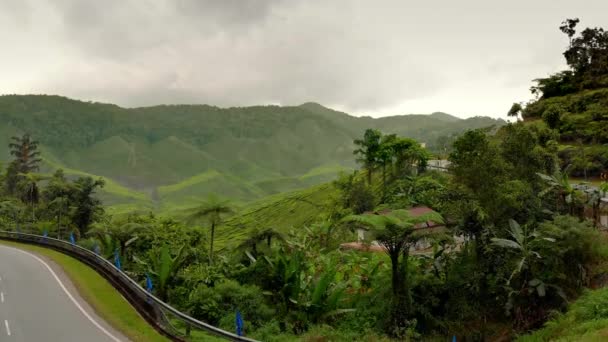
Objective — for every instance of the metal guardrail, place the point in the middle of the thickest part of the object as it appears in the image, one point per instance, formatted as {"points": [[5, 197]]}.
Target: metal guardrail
{"points": [[169, 321]]}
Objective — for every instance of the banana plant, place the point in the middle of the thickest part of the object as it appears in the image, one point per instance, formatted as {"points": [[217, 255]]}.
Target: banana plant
{"points": [[524, 243], [162, 266], [560, 182], [324, 297]]}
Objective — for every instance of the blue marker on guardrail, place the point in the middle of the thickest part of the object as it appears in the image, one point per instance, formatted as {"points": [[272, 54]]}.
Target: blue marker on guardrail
{"points": [[239, 323], [117, 262], [148, 283], [149, 286]]}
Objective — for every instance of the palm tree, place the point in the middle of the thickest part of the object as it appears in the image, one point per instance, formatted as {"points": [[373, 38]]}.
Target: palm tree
{"points": [[30, 190], [250, 245], [162, 266], [368, 151], [213, 210], [396, 232]]}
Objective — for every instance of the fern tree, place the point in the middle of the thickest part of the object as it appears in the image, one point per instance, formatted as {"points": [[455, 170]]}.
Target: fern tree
{"points": [[396, 232], [116, 234], [213, 210]]}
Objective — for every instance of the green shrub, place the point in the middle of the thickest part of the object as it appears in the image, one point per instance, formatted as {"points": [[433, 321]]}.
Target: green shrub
{"points": [[213, 304]]}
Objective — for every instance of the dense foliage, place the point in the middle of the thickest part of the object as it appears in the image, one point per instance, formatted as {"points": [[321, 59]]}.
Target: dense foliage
{"points": [[573, 103], [490, 249], [510, 247]]}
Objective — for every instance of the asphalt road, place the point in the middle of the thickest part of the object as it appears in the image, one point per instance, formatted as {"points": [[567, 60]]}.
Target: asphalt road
{"points": [[37, 303]]}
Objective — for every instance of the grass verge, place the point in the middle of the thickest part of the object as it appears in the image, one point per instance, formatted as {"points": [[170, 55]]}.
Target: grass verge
{"points": [[586, 320], [97, 291]]}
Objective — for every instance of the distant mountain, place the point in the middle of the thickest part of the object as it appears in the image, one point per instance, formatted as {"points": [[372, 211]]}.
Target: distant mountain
{"points": [[173, 154]]}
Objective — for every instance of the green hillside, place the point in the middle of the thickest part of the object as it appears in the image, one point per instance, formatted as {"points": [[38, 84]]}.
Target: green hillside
{"points": [[281, 212], [166, 156], [574, 103], [580, 121]]}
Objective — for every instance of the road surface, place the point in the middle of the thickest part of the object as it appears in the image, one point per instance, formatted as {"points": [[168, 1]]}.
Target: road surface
{"points": [[38, 303]]}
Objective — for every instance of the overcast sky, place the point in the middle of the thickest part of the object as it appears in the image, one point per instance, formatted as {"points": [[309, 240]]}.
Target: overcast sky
{"points": [[364, 57]]}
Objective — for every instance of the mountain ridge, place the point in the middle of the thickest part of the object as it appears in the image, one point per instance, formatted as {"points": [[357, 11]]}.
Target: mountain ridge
{"points": [[258, 150]]}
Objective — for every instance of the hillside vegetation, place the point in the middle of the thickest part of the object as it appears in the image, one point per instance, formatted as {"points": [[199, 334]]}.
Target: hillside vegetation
{"points": [[500, 246], [574, 103], [170, 156]]}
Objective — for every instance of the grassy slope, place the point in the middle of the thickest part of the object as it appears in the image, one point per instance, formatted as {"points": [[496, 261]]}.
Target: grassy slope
{"points": [[585, 321], [98, 292], [201, 185], [281, 212], [110, 189]]}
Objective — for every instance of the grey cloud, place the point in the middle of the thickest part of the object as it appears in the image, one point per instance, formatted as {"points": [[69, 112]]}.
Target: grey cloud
{"points": [[358, 55]]}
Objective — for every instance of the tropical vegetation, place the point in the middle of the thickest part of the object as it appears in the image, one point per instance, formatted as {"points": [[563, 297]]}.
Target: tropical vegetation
{"points": [[495, 248]]}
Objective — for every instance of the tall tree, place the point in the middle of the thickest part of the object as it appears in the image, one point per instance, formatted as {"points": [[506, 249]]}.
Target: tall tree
{"points": [[87, 207], [569, 28], [515, 110], [25, 151], [213, 210], [30, 191], [367, 151], [26, 154], [385, 156], [408, 154], [396, 232], [59, 194]]}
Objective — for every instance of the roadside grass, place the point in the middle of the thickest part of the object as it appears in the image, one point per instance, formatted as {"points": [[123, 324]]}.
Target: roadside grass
{"points": [[103, 298], [585, 321]]}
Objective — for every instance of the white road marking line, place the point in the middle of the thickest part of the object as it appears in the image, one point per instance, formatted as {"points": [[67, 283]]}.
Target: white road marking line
{"points": [[2, 297], [8, 329], [86, 314]]}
